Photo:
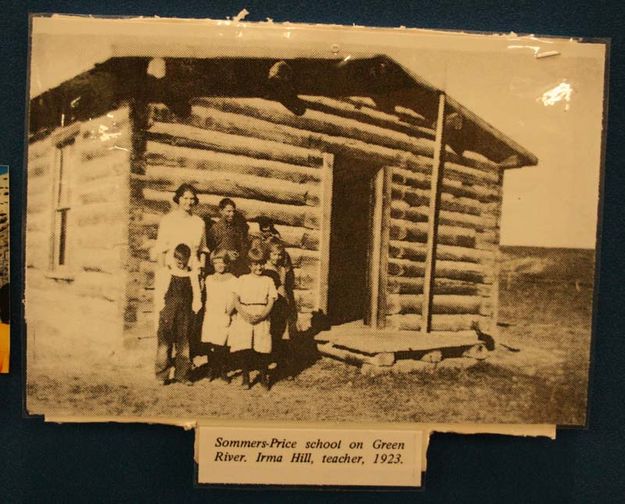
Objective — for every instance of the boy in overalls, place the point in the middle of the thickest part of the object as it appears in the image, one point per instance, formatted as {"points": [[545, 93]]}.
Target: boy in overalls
{"points": [[177, 298]]}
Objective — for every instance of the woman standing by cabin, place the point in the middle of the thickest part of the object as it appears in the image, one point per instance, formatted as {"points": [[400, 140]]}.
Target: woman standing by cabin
{"points": [[181, 225]]}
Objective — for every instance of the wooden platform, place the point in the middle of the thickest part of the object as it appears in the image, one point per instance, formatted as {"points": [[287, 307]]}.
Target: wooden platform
{"points": [[358, 344], [358, 337]]}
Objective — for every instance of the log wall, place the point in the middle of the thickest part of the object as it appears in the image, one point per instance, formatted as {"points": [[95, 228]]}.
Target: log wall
{"points": [[269, 161], [81, 306], [263, 175]]}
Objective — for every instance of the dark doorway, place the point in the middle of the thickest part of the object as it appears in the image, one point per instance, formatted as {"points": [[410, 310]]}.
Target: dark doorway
{"points": [[349, 290]]}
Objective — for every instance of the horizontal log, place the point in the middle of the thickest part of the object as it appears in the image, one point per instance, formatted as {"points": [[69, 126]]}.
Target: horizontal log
{"points": [[407, 250], [350, 110], [420, 197], [242, 116], [477, 160], [300, 257], [442, 304], [144, 278], [107, 126], [94, 149], [487, 235], [460, 188], [294, 237], [289, 215], [413, 322], [454, 270], [486, 246], [470, 172], [362, 101], [366, 149], [293, 137], [103, 214], [405, 114], [98, 236], [191, 136], [416, 251], [410, 115], [92, 259], [110, 289], [409, 285], [115, 164], [329, 350], [405, 268], [141, 218], [231, 184], [108, 190], [403, 210], [454, 173], [417, 232], [306, 277], [100, 144], [162, 154]]}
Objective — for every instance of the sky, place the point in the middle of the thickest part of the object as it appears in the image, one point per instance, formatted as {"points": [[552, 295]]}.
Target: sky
{"points": [[553, 204]]}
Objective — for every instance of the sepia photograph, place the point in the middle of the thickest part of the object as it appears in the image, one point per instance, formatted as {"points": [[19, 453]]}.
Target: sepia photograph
{"points": [[283, 223]]}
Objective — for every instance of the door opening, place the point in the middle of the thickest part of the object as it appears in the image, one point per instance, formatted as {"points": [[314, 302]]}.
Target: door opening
{"points": [[352, 241]]}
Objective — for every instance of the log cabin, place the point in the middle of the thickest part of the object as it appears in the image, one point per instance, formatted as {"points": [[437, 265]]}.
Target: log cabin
{"points": [[386, 191]]}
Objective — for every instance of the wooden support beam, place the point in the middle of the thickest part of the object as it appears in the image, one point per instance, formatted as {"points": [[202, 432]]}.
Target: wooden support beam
{"points": [[435, 200], [375, 249], [385, 239]]}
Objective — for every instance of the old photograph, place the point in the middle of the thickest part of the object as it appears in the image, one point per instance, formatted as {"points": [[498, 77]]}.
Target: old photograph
{"points": [[242, 221]]}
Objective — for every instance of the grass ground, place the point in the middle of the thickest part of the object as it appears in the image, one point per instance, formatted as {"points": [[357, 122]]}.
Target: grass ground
{"points": [[546, 298]]}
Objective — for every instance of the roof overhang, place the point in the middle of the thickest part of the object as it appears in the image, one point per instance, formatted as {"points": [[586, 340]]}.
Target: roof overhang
{"points": [[123, 78]]}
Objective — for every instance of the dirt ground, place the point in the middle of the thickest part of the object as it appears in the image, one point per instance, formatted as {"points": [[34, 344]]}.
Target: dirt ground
{"points": [[545, 314]]}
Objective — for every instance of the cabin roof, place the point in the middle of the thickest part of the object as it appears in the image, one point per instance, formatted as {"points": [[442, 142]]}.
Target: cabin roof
{"points": [[387, 83]]}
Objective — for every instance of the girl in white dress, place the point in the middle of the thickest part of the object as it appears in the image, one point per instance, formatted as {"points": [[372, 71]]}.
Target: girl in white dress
{"points": [[250, 333], [218, 312]]}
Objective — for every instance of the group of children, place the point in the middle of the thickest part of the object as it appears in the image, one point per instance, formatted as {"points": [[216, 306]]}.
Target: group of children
{"points": [[251, 316]]}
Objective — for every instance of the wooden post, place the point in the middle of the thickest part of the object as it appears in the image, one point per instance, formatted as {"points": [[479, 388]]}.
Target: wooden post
{"points": [[435, 200], [385, 237], [325, 228], [494, 328], [375, 248]]}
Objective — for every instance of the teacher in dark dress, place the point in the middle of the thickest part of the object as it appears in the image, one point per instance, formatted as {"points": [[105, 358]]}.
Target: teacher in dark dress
{"points": [[230, 233]]}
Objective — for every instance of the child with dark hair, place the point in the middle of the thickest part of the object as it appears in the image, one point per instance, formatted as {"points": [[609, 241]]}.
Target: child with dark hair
{"points": [[250, 334], [177, 298], [284, 314], [219, 308]]}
